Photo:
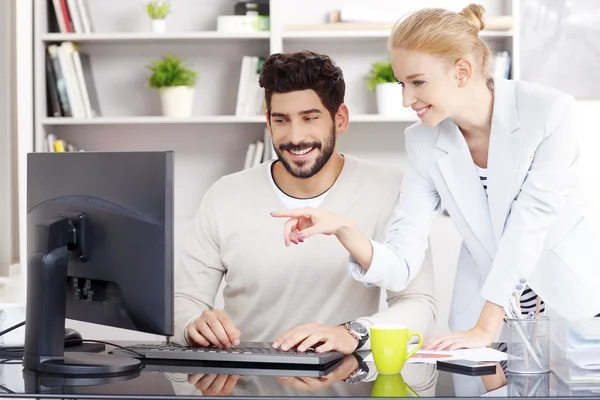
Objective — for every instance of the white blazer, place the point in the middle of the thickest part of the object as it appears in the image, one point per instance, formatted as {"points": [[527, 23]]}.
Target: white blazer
{"points": [[531, 229]]}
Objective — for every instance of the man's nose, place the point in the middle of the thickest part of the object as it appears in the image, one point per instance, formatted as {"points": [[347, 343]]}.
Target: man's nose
{"points": [[296, 133]]}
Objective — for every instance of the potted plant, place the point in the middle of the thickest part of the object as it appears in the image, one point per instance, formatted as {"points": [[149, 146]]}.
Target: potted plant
{"points": [[158, 11], [176, 85], [387, 90]]}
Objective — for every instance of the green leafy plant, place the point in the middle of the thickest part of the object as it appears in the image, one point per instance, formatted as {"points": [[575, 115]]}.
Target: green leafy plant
{"points": [[169, 71], [381, 72], [158, 9]]}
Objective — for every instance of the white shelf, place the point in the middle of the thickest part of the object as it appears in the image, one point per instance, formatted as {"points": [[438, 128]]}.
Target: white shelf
{"points": [[365, 34], [209, 119], [148, 36], [335, 34]]}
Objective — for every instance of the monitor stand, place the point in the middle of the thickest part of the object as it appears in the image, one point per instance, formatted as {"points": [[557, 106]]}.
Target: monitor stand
{"points": [[47, 301]]}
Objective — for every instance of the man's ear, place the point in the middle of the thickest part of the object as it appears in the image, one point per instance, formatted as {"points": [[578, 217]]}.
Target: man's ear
{"points": [[464, 70], [268, 115], [342, 119]]}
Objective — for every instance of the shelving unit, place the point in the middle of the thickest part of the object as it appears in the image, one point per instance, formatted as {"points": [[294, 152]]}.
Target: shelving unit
{"points": [[150, 37], [365, 34], [213, 119], [213, 142]]}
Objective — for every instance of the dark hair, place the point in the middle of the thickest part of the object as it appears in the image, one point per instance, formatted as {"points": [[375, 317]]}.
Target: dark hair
{"points": [[291, 72]]}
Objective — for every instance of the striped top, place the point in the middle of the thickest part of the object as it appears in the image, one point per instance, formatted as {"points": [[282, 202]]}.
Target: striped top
{"points": [[483, 177]]}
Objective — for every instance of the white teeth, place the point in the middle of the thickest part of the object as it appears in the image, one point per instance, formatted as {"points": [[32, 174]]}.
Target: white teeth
{"points": [[422, 110], [299, 153]]}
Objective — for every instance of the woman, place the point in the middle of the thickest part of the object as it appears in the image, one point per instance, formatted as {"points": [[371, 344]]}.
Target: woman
{"points": [[502, 158]]}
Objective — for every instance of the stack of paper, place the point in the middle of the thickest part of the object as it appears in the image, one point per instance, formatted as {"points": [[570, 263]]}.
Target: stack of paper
{"points": [[432, 356]]}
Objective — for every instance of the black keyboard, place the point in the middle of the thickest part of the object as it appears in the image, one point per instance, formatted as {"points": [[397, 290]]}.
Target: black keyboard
{"points": [[244, 353]]}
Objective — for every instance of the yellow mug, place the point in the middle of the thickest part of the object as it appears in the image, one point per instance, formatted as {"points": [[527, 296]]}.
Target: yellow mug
{"points": [[391, 386], [389, 345]]}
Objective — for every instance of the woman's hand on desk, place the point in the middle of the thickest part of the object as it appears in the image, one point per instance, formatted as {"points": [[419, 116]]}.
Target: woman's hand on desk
{"points": [[305, 336], [474, 337]]}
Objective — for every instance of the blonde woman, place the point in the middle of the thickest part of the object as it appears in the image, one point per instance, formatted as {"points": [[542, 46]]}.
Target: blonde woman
{"points": [[502, 157]]}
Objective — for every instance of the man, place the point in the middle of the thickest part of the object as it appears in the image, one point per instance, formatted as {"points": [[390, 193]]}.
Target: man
{"points": [[299, 295]]}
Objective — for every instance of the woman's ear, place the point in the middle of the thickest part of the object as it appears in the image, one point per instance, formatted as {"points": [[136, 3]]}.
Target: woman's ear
{"points": [[464, 70]]}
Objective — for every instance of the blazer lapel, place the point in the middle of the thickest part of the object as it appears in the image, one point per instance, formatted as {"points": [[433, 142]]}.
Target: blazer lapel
{"points": [[504, 153], [461, 177]]}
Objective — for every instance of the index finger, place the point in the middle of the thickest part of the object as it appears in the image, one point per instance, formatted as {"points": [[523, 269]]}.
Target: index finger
{"points": [[230, 329], [297, 212]]}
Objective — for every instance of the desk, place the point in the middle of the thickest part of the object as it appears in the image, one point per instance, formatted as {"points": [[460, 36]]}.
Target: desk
{"points": [[173, 381]]}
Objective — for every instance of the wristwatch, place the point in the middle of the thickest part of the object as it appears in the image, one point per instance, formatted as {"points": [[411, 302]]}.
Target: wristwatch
{"points": [[359, 331], [360, 373]]}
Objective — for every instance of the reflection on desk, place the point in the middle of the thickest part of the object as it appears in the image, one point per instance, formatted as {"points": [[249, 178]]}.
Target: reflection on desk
{"points": [[420, 378], [172, 381]]}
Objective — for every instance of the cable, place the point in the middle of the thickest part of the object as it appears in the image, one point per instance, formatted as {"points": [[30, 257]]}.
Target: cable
{"points": [[19, 349], [6, 390], [12, 328], [108, 343]]}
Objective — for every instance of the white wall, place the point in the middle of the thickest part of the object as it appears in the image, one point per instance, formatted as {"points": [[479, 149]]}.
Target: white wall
{"points": [[6, 139]]}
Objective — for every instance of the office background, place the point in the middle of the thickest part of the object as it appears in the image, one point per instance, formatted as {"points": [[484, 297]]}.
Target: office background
{"points": [[549, 41]]}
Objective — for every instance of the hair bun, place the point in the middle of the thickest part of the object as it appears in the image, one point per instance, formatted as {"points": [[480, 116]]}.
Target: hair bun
{"points": [[474, 14]]}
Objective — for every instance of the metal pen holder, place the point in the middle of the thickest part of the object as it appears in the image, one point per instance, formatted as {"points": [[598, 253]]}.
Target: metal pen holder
{"points": [[528, 345], [528, 385]]}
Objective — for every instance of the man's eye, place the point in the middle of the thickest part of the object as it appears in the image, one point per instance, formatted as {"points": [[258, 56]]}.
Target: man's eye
{"points": [[310, 118]]}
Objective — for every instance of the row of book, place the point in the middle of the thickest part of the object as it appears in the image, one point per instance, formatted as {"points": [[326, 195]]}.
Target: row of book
{"points": [[53, 144], [260, 151], [70, 16], [71, 91]]}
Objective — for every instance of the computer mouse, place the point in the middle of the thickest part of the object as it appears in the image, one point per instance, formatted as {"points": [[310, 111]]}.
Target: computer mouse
{"points": [[72, 338]]}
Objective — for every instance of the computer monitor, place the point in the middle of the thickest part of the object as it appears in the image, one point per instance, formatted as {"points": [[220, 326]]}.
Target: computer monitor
{"points": [[100, 250]]}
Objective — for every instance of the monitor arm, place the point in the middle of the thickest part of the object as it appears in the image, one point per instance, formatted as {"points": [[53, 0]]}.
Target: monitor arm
{"points": [[46, 304]]}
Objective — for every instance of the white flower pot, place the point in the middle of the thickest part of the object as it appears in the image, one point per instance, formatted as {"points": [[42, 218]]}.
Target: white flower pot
{"points": [[177, 101], [159, 25], [389, 101]]}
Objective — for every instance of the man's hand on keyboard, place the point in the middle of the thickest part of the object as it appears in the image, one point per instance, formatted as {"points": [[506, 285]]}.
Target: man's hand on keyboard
{"points": [[305, 336], [214, 327], [346, 368], [213, 385]]}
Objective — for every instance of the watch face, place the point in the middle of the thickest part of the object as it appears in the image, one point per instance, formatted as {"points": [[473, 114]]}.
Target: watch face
{"points": [[359, 328]]}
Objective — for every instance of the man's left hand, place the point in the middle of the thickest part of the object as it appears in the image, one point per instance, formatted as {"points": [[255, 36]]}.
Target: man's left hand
{"points": [[304, 336], [474, 337]]}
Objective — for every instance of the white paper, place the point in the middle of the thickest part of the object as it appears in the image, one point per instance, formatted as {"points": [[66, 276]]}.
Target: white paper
{"points": [[431, 356]]}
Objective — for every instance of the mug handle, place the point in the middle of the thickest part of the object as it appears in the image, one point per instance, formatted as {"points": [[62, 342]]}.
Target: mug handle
{"points": [[410, 335]]}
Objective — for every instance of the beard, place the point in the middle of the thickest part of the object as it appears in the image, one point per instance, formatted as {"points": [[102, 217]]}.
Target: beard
{"points": [[306, 169]]}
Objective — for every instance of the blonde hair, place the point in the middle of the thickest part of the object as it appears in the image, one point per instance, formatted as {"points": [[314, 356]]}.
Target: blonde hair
{"points": [[445, 33]]}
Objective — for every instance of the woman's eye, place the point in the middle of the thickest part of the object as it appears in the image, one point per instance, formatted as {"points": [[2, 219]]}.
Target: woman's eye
{"points": [[418, 83]]}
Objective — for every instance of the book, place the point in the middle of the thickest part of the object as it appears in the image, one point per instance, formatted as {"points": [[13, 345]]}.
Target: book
{"points": [[52, 98], [59, 81]]}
